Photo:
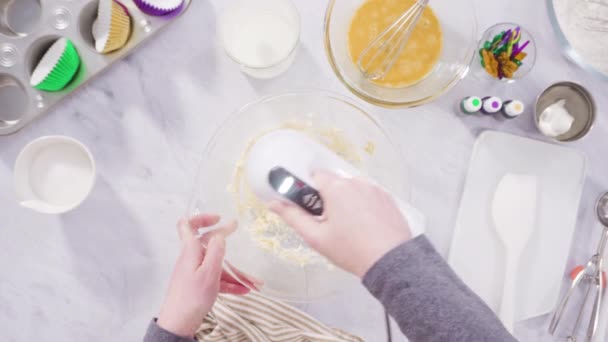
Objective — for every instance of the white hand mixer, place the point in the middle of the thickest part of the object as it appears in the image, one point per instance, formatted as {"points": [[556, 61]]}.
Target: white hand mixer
{"points": [[280, 166]]}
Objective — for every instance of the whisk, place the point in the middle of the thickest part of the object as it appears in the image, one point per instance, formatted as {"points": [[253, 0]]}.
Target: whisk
{"points": [[390, 43]]}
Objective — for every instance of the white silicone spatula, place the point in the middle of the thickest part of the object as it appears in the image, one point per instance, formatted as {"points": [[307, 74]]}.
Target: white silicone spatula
{"points": [[514, 215]]}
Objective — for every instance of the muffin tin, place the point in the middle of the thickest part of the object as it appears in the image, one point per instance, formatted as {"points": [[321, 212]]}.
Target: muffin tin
{"points": [[29, 27]]}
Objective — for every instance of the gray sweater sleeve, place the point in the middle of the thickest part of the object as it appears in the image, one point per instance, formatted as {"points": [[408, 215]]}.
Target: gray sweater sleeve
{"points": [[157, 334], [428, 300]]}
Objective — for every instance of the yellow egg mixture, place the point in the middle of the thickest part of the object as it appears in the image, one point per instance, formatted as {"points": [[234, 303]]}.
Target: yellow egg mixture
{"points": [[421, 52]]}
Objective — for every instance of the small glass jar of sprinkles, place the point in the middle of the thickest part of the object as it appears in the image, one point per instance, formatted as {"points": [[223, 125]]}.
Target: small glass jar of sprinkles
{"points": [[506, 53]]}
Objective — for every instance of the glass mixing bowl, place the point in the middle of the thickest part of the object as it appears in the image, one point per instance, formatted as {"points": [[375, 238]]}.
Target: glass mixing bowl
{"points": [[478, 70], [317, 111], [572, 17], [459, 28]]}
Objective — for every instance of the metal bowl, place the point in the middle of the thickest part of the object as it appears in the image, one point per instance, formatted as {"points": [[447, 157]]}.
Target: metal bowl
{"points": [[579, 103]]}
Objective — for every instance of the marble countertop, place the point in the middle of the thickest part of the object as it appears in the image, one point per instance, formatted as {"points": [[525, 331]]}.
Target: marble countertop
{"points": [[99, 273]]}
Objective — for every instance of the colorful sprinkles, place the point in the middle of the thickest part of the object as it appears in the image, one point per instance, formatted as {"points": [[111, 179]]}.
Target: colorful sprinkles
{"points": [[503, 55]]}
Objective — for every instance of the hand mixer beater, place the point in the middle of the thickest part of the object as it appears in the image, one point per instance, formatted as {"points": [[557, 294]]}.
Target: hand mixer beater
{"points": [[592, 275], [380, 55]]}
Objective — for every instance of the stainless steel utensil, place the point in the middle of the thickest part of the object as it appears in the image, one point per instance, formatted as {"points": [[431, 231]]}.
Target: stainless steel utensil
{"points": [[390, 43], [592, 275]]}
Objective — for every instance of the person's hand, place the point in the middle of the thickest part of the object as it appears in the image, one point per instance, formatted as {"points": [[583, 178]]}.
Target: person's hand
{"points": [[360, 224], [198, 277]]}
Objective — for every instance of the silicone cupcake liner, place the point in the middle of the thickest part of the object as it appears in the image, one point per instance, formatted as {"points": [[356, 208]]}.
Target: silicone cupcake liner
{"points": [[159, 8], [77, 20], [57, 67], [112, 28]]}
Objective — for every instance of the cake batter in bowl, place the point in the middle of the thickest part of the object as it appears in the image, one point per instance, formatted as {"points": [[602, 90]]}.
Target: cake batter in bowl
{"points": [[263, 245]]}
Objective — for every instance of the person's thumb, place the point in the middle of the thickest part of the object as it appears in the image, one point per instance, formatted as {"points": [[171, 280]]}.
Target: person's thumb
{"points": [[302, 222], [211, 267]]}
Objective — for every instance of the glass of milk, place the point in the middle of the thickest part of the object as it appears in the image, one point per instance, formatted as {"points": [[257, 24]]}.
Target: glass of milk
{"points": [[261, 36]]}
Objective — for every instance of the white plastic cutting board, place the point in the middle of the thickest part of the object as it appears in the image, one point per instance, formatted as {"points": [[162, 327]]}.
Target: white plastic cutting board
{"points": [[478, 256]]}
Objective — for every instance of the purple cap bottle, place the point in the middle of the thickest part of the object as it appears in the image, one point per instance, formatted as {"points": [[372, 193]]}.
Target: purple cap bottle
{"points": [[491, 105]]}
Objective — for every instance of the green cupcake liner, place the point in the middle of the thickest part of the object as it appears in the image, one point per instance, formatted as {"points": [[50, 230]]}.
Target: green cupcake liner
{"points": [[64, 70]]}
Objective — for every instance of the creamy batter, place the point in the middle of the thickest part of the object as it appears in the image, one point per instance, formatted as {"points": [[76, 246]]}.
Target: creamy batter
{"points": [[421, 52], [266, 229]]}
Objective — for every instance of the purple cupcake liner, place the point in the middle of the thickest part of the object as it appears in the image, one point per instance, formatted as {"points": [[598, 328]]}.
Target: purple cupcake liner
{"points": [[147, 8]]}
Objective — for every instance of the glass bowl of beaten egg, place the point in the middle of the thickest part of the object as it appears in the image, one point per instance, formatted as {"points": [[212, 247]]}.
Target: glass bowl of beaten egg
{"points": [[436, 57]]}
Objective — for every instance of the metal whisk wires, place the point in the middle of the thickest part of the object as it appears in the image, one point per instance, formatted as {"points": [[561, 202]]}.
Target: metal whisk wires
{"points": [[380, 55]]}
